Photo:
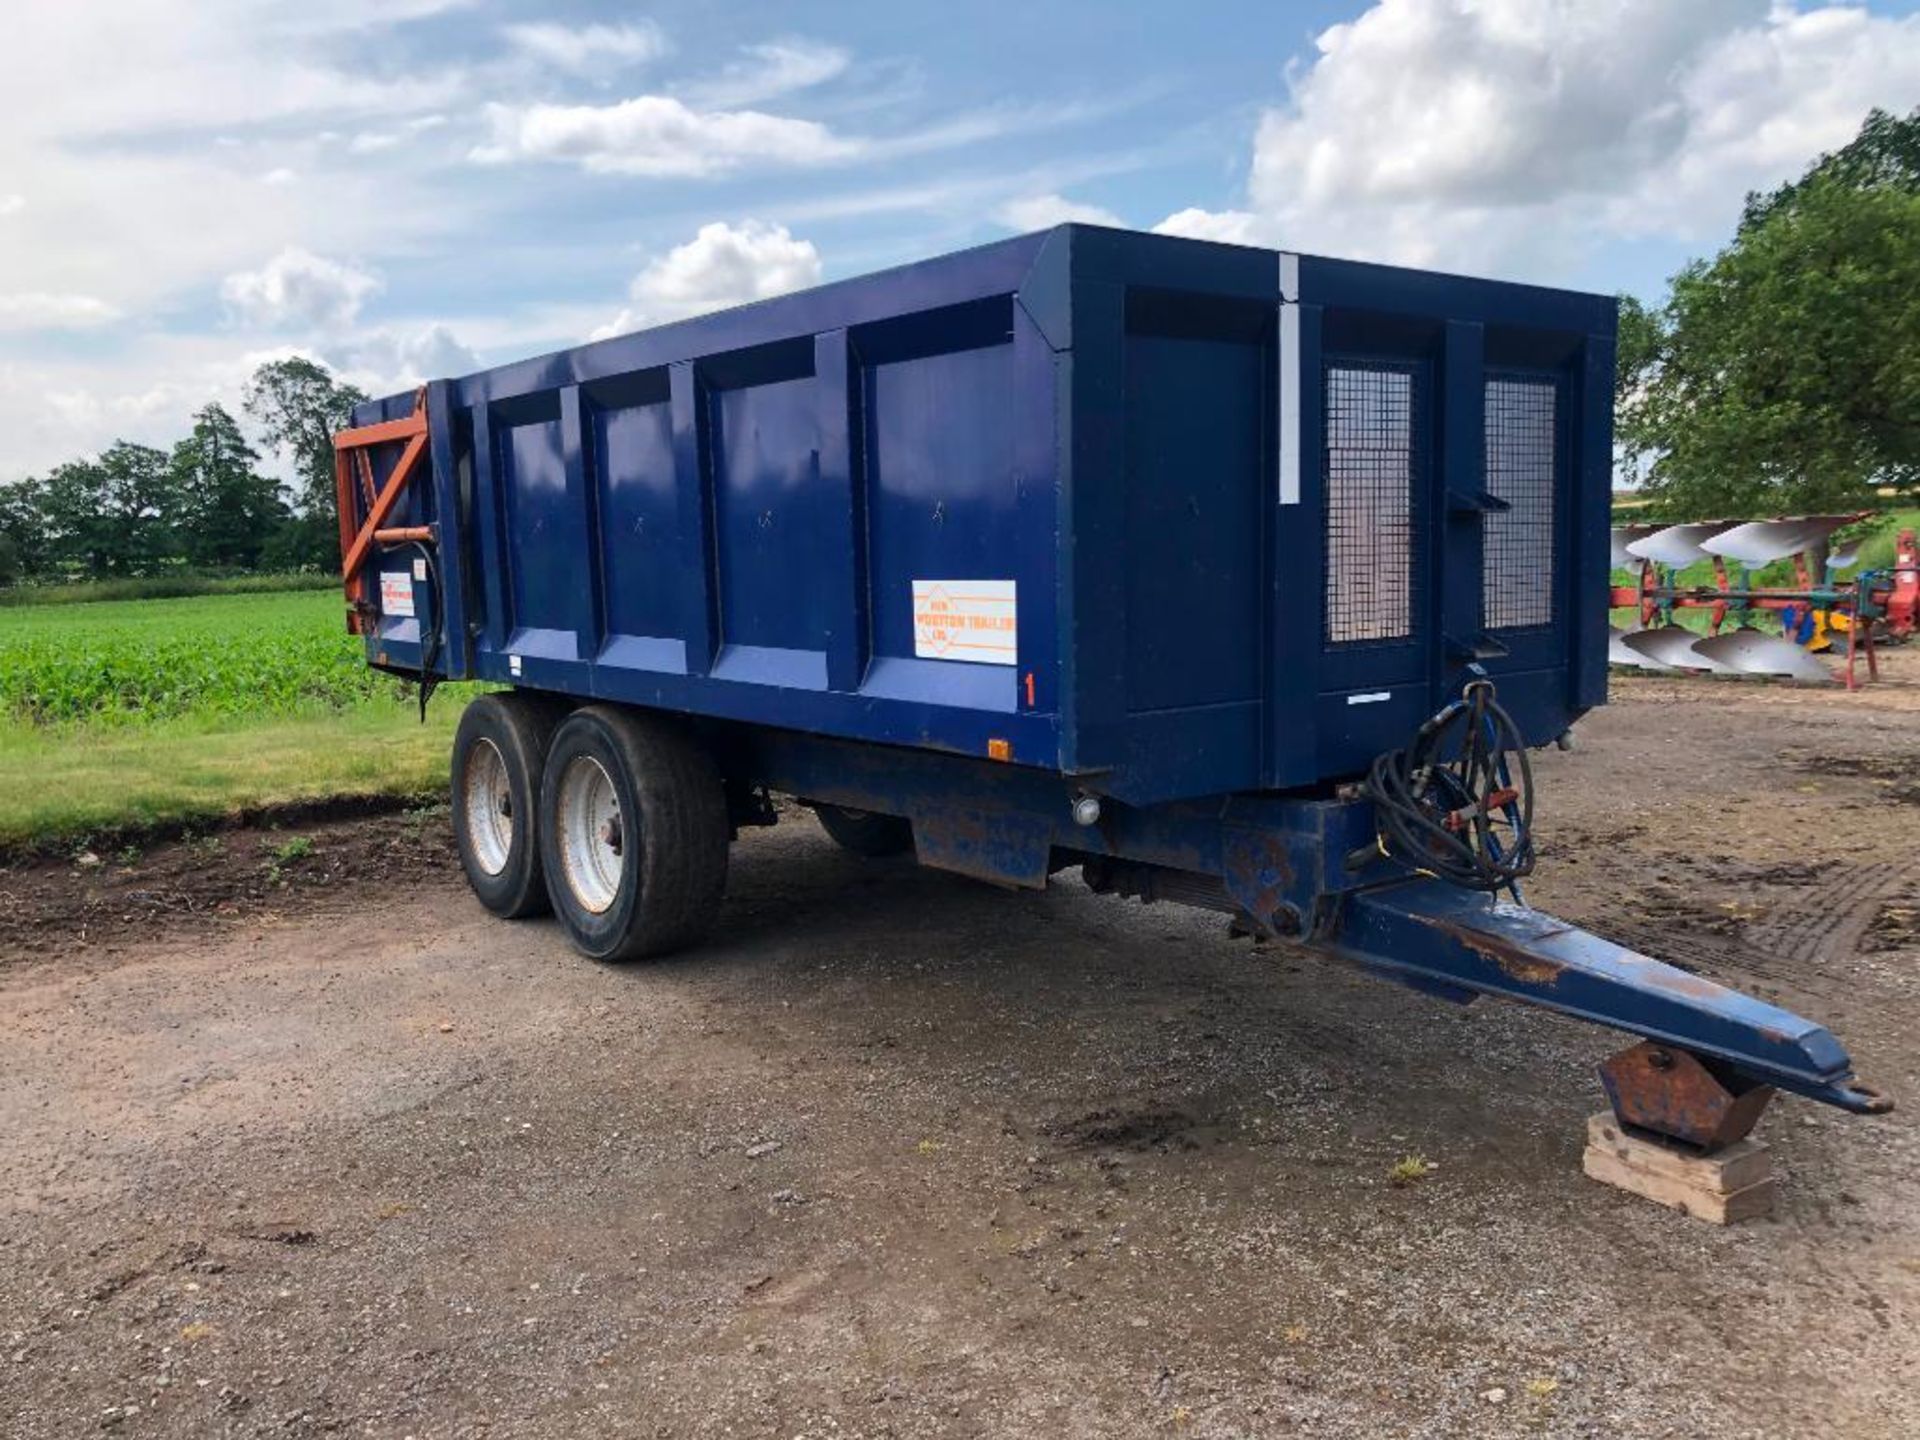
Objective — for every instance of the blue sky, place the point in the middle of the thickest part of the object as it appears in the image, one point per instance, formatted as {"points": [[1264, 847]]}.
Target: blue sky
{"points": [[416, 187]]}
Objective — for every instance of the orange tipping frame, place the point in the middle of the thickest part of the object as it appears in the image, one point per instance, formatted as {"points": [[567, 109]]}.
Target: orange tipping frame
{"points": [[356, 540]]}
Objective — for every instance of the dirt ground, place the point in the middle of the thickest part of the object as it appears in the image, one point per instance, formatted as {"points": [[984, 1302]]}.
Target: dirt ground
{"points": [[296, 1140]]}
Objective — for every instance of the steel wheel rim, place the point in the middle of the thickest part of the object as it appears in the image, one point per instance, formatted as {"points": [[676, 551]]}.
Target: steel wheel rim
{"points": [[489, 807], [592, 833]]}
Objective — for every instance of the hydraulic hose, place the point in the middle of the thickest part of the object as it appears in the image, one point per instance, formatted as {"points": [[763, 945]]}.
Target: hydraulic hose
{"points": [[1449, 804]]}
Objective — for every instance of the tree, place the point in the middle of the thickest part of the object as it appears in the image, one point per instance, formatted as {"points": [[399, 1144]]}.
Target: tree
{"points": [[1636, 358], [228, 513], [72, 497], [1784, 374], [1637, 348], [1885, 155], [298, 406], [111, 515], [24, 552]]}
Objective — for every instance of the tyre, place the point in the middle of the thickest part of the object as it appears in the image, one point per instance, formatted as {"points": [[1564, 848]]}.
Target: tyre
{"points": [[866, 832], [499, 752], [633, 833]]}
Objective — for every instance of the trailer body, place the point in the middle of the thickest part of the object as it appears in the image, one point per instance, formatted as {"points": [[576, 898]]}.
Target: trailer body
{"points": [[1086, 547], [1117, 445]]}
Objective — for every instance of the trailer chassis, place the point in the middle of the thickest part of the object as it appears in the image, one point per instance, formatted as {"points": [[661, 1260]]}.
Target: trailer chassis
{"points": [[1306, 869]]}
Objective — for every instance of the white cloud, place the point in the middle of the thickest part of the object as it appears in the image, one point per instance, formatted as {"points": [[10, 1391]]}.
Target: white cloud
{"points": [[1486, 101], [1230, 227], [186, 110], [662, 136], [204, 66], [771, 70], [721, 266], [37, 310], [1039, 212], [53, 410], [624, 322], [373, 142], [656, 135], [298, 289], [589, 49], [1768, 99], [388, 360], [1511, 133], [139, 139]]}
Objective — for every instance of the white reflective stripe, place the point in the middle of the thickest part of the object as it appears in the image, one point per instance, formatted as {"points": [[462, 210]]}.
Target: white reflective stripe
{"points": [[1372, 697], [1289, 379]]}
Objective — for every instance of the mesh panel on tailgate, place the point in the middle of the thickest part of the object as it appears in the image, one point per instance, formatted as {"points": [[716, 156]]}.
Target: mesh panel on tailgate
{"points": [[1521, 445], [1370, 487]]}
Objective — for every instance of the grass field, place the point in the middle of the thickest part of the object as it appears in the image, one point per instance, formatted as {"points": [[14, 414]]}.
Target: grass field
{"points": [[66, 783], [133, 713], [166, 587], [136, 662]]}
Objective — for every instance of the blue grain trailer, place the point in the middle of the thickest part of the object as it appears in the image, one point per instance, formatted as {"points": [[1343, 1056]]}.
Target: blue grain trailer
{"points": [[1232, 577]]}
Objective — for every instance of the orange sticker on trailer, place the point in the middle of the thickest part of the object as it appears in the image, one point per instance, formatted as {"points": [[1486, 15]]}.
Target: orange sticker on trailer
{"points": [[976, 621], [396, 592]]}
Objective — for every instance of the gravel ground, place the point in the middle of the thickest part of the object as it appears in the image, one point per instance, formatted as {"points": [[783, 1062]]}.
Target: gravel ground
{"points": [[296, 1140]]}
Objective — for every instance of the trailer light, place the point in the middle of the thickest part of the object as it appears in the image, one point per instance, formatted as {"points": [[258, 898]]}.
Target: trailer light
{"points": [[999, 749], [1086, 810]]}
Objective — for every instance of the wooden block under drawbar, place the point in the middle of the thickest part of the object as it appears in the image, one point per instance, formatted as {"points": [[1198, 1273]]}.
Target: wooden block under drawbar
{"points": [[1731, 1185], [1738, 1166]]}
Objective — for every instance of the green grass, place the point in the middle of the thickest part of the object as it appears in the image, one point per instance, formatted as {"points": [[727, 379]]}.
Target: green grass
{"points": [[68, 781], [167, 587], [1876, 552], [126, 715], [136, 662]]}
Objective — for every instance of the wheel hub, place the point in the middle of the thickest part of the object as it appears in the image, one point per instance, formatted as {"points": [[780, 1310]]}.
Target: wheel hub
{"points": [[489, 807], [592, 837]]}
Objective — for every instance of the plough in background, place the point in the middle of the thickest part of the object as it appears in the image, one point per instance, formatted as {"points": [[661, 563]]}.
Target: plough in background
{"points": [[1815, 612]]}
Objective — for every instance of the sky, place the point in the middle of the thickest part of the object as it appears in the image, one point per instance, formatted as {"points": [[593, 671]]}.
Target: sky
{"points": [[418, 188]]}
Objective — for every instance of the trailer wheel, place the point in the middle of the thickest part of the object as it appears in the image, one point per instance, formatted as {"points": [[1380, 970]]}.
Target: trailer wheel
{"points": [[866, 832], [498, 753], [634, 834]]}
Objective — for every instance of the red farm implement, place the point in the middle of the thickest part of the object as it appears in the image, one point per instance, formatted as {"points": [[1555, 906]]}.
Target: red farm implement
{"points": [[1817, 612]]}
